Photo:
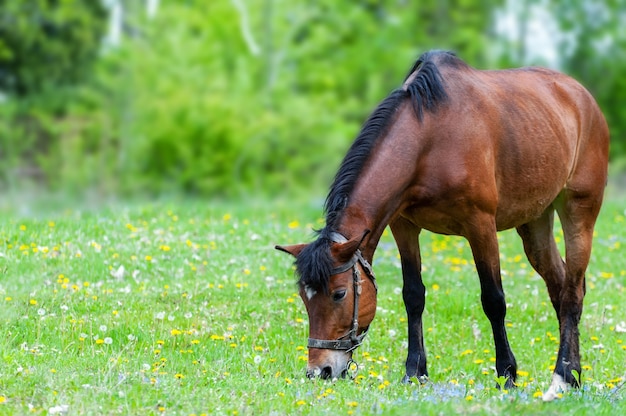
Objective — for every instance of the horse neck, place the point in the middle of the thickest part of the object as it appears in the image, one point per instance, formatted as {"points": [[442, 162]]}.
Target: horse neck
{"points": [[380, 190]]}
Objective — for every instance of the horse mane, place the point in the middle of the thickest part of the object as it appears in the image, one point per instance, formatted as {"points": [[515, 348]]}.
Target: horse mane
{"points": [[426, 91]]}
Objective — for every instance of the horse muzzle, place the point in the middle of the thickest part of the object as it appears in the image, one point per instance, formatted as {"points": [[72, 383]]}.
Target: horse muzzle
{"points": [[328, 364]]}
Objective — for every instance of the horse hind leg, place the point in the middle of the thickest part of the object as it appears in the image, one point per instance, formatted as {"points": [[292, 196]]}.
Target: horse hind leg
{"points": [[543, 254], [578, 212]]}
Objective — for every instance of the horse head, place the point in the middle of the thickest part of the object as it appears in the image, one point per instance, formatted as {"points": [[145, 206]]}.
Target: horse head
{"points": [[339, 302]]}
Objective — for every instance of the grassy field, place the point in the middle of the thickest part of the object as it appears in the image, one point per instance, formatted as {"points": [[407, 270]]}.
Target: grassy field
{"points": [[185, 308]]}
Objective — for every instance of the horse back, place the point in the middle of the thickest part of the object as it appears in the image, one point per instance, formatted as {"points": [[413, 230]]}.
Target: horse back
{"points": [[514, 140]]}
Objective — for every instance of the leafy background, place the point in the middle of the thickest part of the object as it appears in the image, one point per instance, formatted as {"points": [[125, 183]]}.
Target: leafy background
{"points": [[235, 98]]}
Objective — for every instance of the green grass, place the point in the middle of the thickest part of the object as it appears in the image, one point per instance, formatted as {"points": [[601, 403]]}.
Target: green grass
{"points": [[204, 318]]}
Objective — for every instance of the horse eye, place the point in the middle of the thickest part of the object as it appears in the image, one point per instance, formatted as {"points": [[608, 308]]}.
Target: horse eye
{"points": [[339, 295]]}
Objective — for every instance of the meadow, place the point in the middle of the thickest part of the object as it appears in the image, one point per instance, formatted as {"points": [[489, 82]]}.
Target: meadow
{"points": [[184, 308]]}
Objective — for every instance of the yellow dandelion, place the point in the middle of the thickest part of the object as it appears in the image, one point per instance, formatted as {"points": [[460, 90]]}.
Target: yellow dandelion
{"points": [[300, 403], [226, 217], [33, 302], [179, 376], [293, 224]]}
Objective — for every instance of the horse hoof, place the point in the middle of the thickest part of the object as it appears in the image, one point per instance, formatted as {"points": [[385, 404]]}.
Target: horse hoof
{"points": [[411, 380], [557, 388]]}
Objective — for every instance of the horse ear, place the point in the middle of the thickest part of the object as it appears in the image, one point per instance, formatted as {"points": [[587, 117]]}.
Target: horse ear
{"points": [[294, 250], [344, 251]]}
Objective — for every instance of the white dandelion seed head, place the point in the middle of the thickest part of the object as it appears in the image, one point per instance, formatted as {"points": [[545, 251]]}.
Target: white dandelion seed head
{"points": [[56, 410], [159, 315], [103, 328], [108, 340]]}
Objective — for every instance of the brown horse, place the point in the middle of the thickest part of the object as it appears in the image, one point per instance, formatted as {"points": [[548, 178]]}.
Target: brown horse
{"points": [[464, 152]]}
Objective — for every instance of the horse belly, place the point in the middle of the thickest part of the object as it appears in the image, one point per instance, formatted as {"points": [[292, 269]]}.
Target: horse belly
{"points": [[512, 215], [525, 190]]}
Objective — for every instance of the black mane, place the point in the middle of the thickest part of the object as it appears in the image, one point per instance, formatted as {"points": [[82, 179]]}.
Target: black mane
{"points": [[426, 91]]}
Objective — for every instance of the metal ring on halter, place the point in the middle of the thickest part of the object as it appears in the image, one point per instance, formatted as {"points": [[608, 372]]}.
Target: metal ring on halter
{"points": [[352, 368]]}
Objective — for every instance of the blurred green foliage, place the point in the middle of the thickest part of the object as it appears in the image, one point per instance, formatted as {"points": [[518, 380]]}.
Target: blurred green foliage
{"points": [[47, 44], [227, 97]]}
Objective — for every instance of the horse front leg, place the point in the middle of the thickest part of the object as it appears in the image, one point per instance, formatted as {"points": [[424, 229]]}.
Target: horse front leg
{"points": [[414, 295], [484, 243]]}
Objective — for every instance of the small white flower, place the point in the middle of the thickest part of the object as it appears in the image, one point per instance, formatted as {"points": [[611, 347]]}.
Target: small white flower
{"points": [[119, 273], [103, 328], [62, 408], [257, 359], [131, 337], [108, 340], [64, 308], [159, 315], [41, 312], [188, 315]]}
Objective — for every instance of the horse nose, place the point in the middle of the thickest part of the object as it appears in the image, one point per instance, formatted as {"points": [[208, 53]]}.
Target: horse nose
{"points": [[326, 373]]}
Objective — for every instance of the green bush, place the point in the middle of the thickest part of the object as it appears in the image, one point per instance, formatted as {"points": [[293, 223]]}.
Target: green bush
{"points": [[223, 98]]}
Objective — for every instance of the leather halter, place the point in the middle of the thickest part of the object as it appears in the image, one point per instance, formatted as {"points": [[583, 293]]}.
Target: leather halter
{"points": [[351, 340]]}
